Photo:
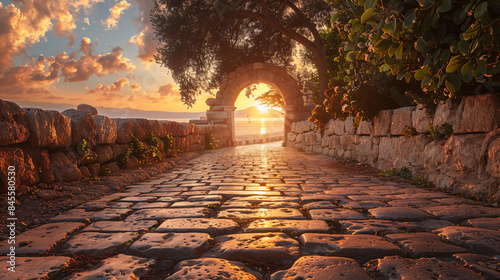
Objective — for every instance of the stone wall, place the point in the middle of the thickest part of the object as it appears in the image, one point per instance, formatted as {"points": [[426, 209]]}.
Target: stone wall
{"points": [[466, 162], [43, 145]]}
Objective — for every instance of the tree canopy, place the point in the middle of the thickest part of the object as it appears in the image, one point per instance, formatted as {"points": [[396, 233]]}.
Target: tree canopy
{"points": [[202, 41]]}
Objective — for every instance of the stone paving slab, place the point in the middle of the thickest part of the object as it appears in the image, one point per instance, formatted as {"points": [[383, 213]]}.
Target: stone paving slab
{"points": [[120, 226], [278, 204], [213, 268], [255, 199], [205, 198], [458, 213], [394, 267], [432, 224], [41, 239], [100, 205], [169, 199], [335, 214], [319, 267], [80, 215], [424, 244], [487, 223], [487, 266], [321, 197], [365, 205], [412, 203], [138, 199], [236, 204], [377, 227], [211, 226], [272, 248], [189, 204], [97, 243], [320, 205], [31, 268], [280, 213], [476, 240], [171, 246], [147, 205], [400, 214], [119, 267], [287, 226], [169, 213], [359, 247]]}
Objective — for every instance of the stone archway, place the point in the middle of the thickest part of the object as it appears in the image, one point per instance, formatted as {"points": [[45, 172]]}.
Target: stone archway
{"points": [[222, 106]]}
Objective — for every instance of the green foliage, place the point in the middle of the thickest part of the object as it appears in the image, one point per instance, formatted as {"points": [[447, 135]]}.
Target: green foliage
{"points": [[168, 145], [320, 117], [449, 47], [202, 41], [146, 152], [123, 157], [83, 149], [422, 183], [210, 141], [439, 132], [271, 99], [409, 131], [403, 173], [104, 171]]}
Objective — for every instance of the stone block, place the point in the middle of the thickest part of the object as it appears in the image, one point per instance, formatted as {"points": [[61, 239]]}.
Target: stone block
{"points": [[13, 124], [329, 127], [365, 128], [349, 126], [87, 109], [104, 153], [462, 152], [291, 137], [410, 151], [493, 162], [48, 128], [338, 127], [334, 142], [445, 113], [106, 130], [64, 169], [309, 138], [382, 123], [364, 146], [24, 168], [387, 153], [213, 268], [42, 164], [213, 102], [400, 119], [83, 126], [213, 115], [477, 113], [420, 118]]}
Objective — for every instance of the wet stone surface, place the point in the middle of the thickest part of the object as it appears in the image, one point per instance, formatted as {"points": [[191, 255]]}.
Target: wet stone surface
{"points": [[34, 267], [171, 246], [266, 248], [394, 267], [211, 226], [213, 268], [266, 212], [319, 267]]}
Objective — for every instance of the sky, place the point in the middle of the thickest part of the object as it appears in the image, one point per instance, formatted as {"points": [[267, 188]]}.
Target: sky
{"points": [[97, 52]]}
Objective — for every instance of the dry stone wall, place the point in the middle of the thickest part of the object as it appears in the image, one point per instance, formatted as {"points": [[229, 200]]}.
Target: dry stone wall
{"points": [[43, 145], [467, 161]]}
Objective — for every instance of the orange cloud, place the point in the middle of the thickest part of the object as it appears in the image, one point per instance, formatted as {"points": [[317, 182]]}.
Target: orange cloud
{"points": [[38, 75], [26, 22], [116, 86], [168, 90], [115, 13], [144, 40]]}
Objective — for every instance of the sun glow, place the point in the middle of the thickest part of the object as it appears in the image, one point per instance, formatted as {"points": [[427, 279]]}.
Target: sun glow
{"points": [[262, 108]]}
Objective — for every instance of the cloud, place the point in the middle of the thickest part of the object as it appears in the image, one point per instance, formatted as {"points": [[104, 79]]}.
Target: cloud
{"points": [[95, 64], [168, 90], [86, 20], [115, 13], [39, 74], [144, 40], [116, 86], [135, 87], [26, 22]]}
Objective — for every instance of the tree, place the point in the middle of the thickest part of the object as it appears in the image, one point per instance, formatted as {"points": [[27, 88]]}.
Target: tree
{"points": [[272, 99], [202, 41]]}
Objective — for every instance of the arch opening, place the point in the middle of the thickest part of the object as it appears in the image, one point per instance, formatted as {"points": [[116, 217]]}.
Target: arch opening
{"points": [[222, 107]]}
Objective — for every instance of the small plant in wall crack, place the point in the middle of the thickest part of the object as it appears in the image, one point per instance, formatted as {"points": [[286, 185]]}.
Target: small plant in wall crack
{"points": [[403, 173], [409, 131], [443, 131]]}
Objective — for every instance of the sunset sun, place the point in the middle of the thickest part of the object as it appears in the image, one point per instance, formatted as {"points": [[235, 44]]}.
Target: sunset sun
{"points": [[262, 108]]}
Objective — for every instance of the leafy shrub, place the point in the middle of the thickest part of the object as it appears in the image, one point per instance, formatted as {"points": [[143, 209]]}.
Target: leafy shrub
{"points": [[449, 47], [409, 131], [439, 132], [210, 141], [169, 142], [83, 149]]}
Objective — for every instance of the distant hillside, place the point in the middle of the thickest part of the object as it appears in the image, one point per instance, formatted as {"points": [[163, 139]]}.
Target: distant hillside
{"points": [[253, 112]]}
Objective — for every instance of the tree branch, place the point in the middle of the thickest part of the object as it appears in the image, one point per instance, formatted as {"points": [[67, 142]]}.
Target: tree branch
{"points": [[307, 23], [265, 9]]}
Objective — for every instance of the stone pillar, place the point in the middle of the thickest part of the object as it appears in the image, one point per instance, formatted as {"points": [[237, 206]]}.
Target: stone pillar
{"points": [[223, 114]]}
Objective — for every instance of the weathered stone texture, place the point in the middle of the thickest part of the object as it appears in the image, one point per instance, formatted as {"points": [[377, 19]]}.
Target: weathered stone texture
{"points": [[13, 124], [462, 152], [64, 169], [400, 119], [478, 113], [48, 128], [382, 123], [106, 130], [83, 126]]}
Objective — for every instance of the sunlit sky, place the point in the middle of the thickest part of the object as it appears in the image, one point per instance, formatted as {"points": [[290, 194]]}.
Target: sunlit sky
{"points": [[97, 52]]}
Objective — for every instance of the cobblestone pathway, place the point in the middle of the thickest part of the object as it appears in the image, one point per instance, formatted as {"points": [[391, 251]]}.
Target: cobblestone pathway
{"points": [[265, 212]]}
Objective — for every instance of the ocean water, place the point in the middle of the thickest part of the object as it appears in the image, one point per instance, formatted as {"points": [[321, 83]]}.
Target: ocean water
{"points": [[253, 128]]}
